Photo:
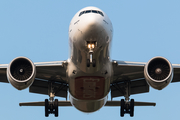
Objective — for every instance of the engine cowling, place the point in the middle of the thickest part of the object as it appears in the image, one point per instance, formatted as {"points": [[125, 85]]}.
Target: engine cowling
{"points": [[21, 72], [158, 72]]}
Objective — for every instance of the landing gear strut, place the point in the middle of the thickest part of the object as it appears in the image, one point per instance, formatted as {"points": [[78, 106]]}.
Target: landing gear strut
{"points": [[91, 60]]}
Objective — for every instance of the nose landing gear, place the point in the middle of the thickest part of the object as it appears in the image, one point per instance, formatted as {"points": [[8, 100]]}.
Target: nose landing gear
{"points": [[88, 63], [91, 45], [94, 63], [91, 60]]}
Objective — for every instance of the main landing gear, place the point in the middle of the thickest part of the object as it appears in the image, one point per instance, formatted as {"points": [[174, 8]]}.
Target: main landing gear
{"points": [[127, 107], [127, 104], [51, 107]]}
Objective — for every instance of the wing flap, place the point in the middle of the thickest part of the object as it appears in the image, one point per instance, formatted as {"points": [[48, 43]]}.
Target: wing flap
{"points": [[42, 103], [118, 103]]}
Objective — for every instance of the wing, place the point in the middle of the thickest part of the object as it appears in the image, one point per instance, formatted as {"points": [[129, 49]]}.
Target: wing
{"points": [[47, 73], [134, 72], [128, 71], [50, 73], [54, 71], [3, 77], [176, 77]]}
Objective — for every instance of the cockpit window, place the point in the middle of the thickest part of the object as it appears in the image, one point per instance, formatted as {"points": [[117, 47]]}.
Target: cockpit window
{"points": [[91, 11], [81, 13], [94, 11], [88, 11], [100, 13]]}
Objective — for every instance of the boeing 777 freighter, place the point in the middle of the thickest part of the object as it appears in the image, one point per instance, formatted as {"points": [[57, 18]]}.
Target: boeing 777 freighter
{"points": [[89, 74]]}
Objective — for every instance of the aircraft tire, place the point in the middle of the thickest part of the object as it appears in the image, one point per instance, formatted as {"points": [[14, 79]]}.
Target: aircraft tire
{"points": [[94, 62], [88, 62], [132, 108], [46, 108], [56, 107], [122, 108]]}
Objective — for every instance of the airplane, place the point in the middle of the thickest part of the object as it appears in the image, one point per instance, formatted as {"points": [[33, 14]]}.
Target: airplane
{"points": [[89, 74]]}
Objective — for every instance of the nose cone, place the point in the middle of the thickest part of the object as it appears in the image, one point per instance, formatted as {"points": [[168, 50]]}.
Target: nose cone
{"points": [[91, 24]]}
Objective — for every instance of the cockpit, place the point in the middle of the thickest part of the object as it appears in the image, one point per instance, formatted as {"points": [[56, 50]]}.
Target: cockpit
{"points": [[91, 11]]}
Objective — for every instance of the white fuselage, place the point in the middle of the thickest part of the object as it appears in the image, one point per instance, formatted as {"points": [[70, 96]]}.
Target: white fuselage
{"points": [[89, 69]]}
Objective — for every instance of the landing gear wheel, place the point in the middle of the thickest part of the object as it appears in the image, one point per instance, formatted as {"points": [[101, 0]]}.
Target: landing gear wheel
{"points": [[46, 108], [94, 63], [56, 107], [132, 108], [88, 62], [122, 108]]}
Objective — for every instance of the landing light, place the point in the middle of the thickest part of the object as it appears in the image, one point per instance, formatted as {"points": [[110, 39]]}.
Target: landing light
{"points": [[91, 46]]}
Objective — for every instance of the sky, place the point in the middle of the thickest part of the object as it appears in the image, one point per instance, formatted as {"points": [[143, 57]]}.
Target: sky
{"points": [[38, 29]]}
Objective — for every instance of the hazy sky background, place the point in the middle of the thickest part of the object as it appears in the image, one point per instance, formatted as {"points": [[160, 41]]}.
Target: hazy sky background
{"points": [[38, 29]]}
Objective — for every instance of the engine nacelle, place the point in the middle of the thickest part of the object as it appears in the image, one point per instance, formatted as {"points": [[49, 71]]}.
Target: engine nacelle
{"points": [[158, 72], [21, 72]]}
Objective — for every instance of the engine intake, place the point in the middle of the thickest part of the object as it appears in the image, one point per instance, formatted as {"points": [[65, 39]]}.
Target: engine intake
{"points": [[21, 72], [158, 72]]}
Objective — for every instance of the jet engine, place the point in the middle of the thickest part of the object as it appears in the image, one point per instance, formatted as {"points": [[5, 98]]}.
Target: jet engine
{"points": [[21, 72], [158, 72]]}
